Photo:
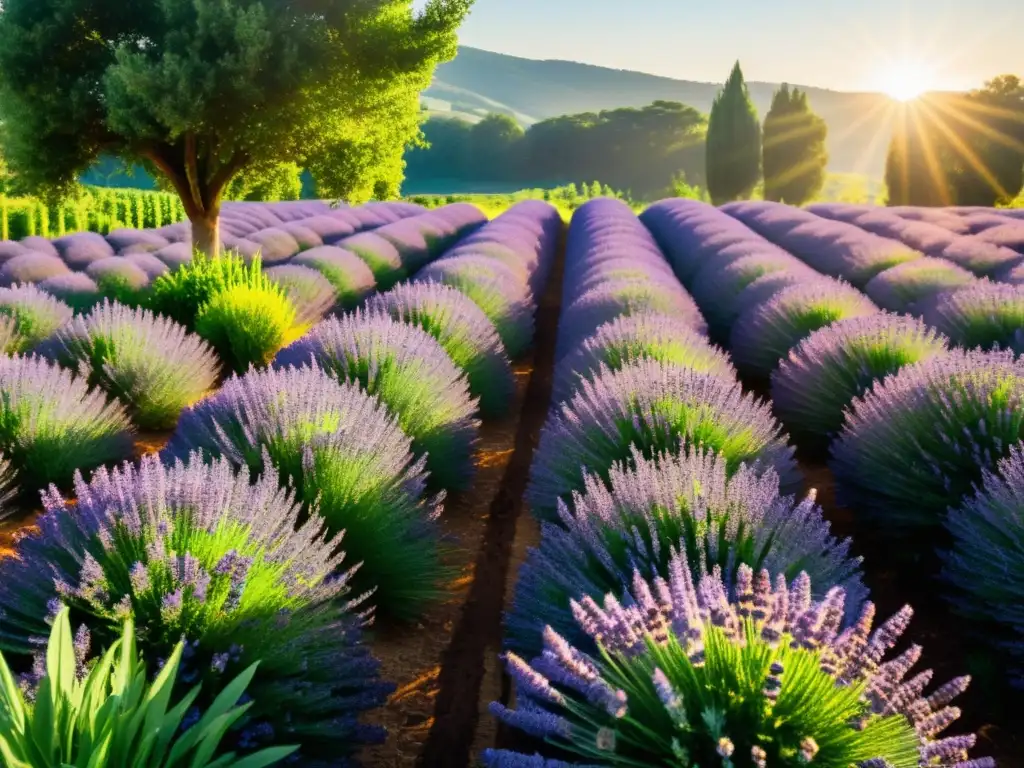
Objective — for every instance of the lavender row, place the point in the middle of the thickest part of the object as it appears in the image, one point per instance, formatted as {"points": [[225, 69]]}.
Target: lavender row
{"points": [[666, 515]]}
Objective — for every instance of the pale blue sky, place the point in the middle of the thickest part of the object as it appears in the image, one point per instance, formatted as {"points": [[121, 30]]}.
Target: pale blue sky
{"points": [[849, 45]]}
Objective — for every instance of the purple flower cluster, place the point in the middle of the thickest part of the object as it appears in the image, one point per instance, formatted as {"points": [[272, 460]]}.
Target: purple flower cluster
{"points": [[906, 286], [195, 550], [765, 333], [983, 314], [653, 408], [35, 314], [310, 292], [920, 440], [926, 237], [411, 374], [465, 332], [831, 247], [351, 277], [31, 267]]}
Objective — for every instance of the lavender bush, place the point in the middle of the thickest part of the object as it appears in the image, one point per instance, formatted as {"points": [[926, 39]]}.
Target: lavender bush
{"points": [[344, 454], [411, 374], [920, 440], [310, 292], [350, 276], [52, 424], [119, 279], [984, 565], [983, 314], [196, 552], [465, 332], [764, 334], [650, 509], [698, 674], [903, 287], [981, 258], [76, 289], [653, 408], [645, 335], [31, 267], [815, 384], [150, 363], [383, 258], [35, 315]]}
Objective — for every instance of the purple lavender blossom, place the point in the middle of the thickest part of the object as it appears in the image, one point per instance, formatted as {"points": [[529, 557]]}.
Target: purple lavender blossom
{"points": [[81, 249], [383, 258], [983, 314], [310, 292], [175, 254], [164, 529], [654, 408], [276, 245], [120, 239], [148, 263], [979, 257], [304, 236], [76, 289], [32, 267], [351, 277], [119, 279], [920, 440], [652, 508], [35, 313], [904, 287]]}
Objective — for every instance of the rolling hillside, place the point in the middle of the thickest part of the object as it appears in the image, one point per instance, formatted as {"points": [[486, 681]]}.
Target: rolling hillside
{"points": [[477, 82]]}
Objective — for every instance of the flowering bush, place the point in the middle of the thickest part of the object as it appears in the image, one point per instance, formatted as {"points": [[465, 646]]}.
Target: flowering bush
{"points": [[344, 454], [646, 335], [310, 292], [411, 374], [653, 507], [181, 293], [983, 314], [76, 289], [920, 440], [51, 423], [465, 332], [36, 315], [653, 408], [195, 552], [350, 276], [764, 334], [687, 675], [31, 267], [824, 373], [150, 363], [902, 287], [984, 565], [119, 279]]}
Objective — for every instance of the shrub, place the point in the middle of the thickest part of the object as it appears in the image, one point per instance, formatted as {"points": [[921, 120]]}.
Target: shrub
{"points": [[764, 334], [653, 408], [981, 258], [35, 313], [411, 374], [51, 423], [148, 263], [642, 336], [181, 294], [198, 553], [310, 292], [465, 332], [828, 370], [917, 443], [984, 567], [349, 274], [687, 676], [113, 714], [80, 249], [494, 288], [381, 256], [902, 287], [654, 507], [247, 325], [31, 267], [76, 289], [343, 453], [119, 279], [984, 314], [150, 363]]}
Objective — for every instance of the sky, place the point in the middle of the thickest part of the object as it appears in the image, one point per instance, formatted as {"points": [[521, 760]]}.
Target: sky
{"points": [[887, 45]]}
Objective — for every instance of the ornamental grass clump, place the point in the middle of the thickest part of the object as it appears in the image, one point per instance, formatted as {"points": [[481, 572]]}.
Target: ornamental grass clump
{"points": [[180, 294], [35, 314], [465, 332], [903, 287], [642, 336], [764, 334], [52, 423], [233, 567], [150, 363], [984, 314], [985, 566], [346, 456], [111, 713], [411, 374], [652, 408], [919, 441], [698, 674], [815, 384], [652, 508]]}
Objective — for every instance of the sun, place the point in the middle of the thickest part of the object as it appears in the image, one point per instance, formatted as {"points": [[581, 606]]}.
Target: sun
{"points": [[906, 80]]}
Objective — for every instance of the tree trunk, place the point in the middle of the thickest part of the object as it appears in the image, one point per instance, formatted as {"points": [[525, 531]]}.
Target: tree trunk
{"points": [[206, 234]]}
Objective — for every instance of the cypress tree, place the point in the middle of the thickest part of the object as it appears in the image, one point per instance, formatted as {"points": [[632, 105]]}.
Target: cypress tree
{"points": [[733, 143], [794, 148]]}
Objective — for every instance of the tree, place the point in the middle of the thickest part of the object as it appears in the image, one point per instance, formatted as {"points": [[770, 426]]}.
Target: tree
{"points": [[914, 172], [203, 90], [733, 143], [284, 182], [494, 144], [794, 154]]}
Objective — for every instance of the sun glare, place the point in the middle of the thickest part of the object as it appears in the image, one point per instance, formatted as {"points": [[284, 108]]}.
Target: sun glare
{"points": [[906, 81]]}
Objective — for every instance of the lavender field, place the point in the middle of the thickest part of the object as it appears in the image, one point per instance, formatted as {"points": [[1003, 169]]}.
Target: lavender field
{"points": [[700, 486]]}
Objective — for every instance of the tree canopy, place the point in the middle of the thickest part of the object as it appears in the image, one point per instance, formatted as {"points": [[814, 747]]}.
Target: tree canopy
{"points": [[202, 90], [733, 142], [794, 154]]}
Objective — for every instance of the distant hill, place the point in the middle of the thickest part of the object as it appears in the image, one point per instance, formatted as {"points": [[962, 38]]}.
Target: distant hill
{"points": [[477, 82]]}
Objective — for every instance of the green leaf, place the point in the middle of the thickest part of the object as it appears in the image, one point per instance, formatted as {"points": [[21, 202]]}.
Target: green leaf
{"points": [[265, 757], [13, 699]]}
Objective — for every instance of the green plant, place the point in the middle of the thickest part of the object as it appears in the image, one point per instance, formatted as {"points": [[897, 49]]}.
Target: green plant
{"points": [[112, 717], [180, 294], [248, 324]]}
